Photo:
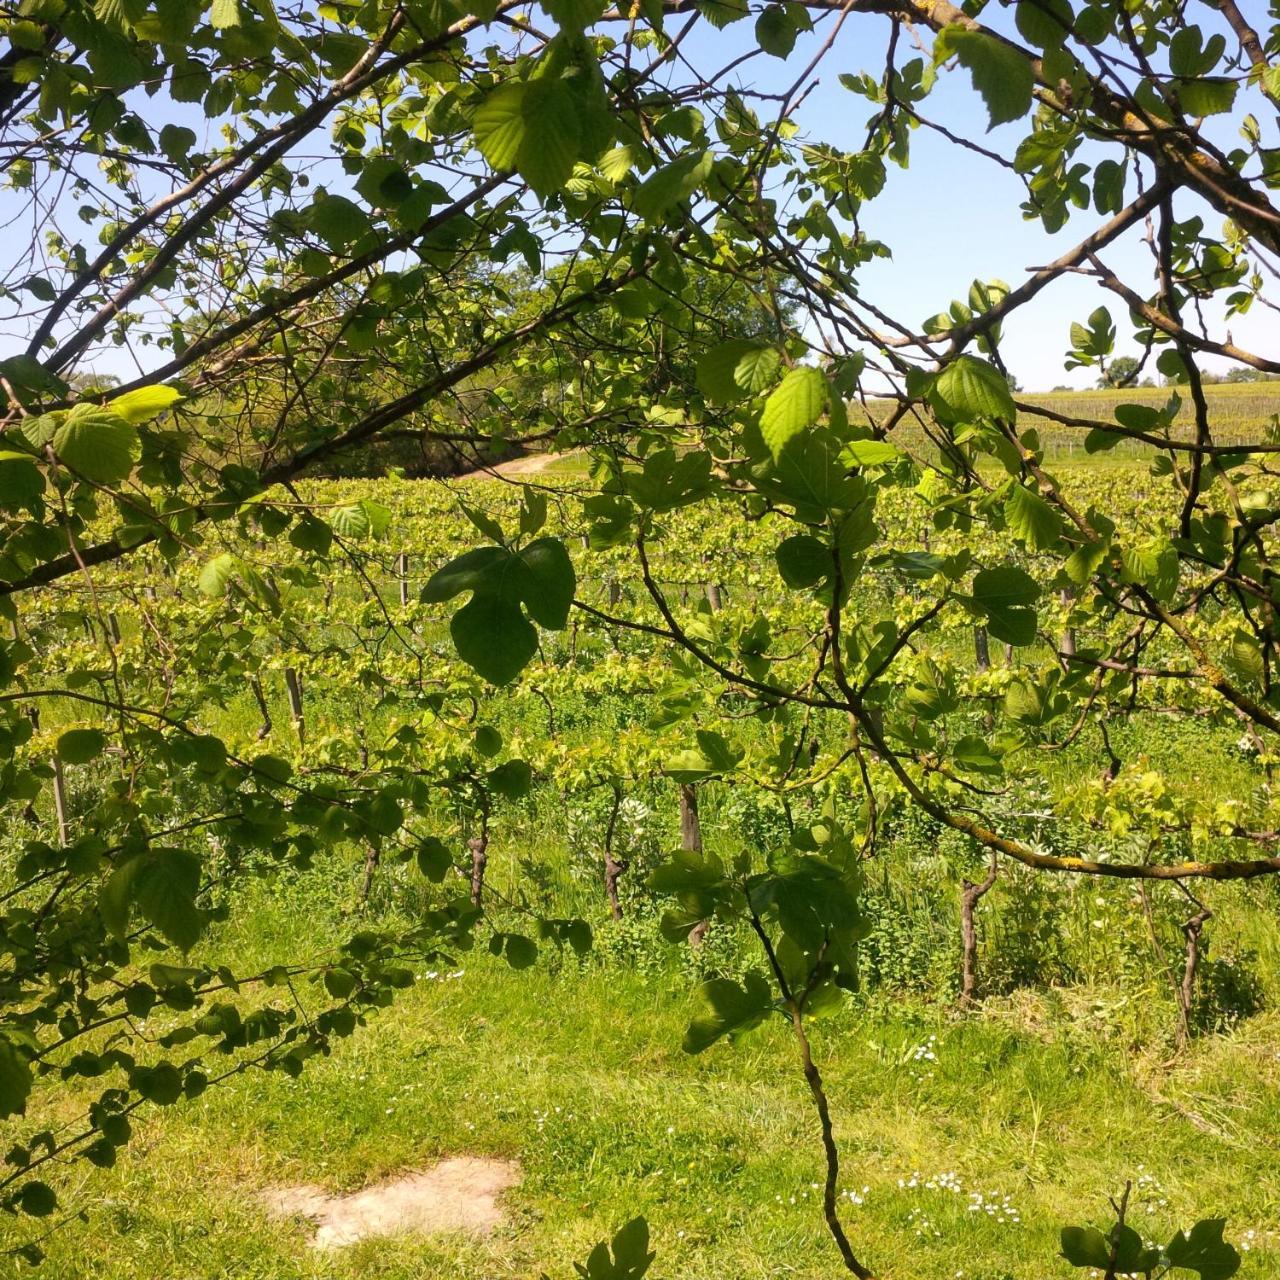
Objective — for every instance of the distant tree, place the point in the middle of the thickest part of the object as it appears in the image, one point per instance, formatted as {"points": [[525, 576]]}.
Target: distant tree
{"points": [[1242, 374], [1120, 372]]}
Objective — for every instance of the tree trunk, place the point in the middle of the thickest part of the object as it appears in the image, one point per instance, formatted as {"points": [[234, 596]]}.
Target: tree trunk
{"points": [[690, 825], [1068, 634], [261, 698], [970, 895], [615, 591], [691, 841], [1187, 991], [371, 860], [613, 869], [479, 846], [713, 596]]}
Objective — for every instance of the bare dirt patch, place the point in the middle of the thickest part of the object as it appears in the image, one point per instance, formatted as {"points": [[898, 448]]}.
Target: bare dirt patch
{"points": [[460, 1194]]}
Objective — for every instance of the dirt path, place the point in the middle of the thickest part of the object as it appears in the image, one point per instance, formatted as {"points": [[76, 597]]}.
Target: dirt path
{"points": [[455, 1195], [529, 465]]}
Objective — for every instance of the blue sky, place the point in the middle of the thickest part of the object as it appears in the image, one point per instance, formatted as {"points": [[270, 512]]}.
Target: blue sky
{"points": [[953, 217]]}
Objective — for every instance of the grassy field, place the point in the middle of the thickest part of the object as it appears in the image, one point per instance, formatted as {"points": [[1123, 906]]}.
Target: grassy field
{"points": [[968, 1138], [967, 1141]]}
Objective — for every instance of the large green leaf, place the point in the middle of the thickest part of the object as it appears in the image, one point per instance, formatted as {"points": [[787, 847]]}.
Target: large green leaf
{"points": [[803, 560], [15, 1080], [970, 388], [1001, 72], [1032, 519], [797, 403], [546, 582], [717, 369], [145, 403], [730, 1009], [1085, 1247], [493, 637], [97, 444], [1204, 1251], [534, 127], [470, 571], [79, 746], [162, 884]]}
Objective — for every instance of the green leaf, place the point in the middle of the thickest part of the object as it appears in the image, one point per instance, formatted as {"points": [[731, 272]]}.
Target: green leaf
{"points": [[671, 183], [434, 860], [224, 13], [720, 13], [870, 453], [533, 127], [145, 403], [1204, 1251], [493, 637], [970, 388], [520, 952], [1085, 1247], [15, 1080], [757, 369], [1208, 97], [1001, 74], [717, 369], [79, 746], [21, 482], [468, 572], [804, 561], [1032, 519], [511, 780], [1044, 23], [1004, 587], [547, 583], [97, 444], [162, 884], [797, 403], [730, 1010], [216, 575], [775, 31]]}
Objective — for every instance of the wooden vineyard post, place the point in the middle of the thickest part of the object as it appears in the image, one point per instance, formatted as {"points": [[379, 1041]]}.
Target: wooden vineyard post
{"points": [[613, 867], [402, 572], [293, 687], [981, 648]]}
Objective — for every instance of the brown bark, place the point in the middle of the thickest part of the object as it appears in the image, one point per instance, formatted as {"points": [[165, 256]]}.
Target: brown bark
{"points": [[690, 825], [402, 572], [981, 649], [970, 895], [293, 687], [1187, 991], [261, 698], [479, 846], [371, 860]]}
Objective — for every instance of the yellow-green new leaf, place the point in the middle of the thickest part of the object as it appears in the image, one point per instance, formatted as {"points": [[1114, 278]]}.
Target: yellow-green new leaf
{"points": [[797, 403]]}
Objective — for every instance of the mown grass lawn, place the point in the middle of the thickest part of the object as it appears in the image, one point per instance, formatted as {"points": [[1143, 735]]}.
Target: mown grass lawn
{"points": [[967, 1142]]}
